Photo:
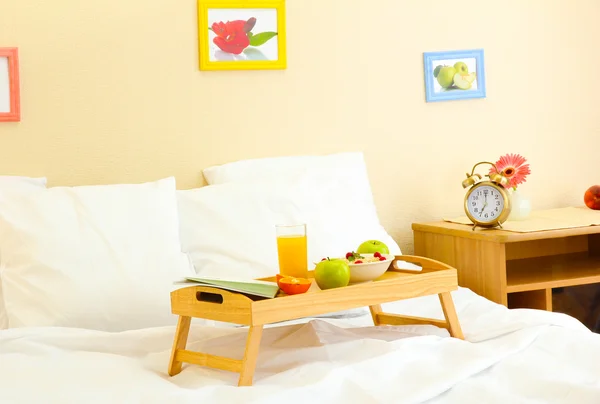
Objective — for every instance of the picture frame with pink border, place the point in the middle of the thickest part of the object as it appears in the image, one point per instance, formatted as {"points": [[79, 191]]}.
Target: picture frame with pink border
{"points": [[10, 98]]}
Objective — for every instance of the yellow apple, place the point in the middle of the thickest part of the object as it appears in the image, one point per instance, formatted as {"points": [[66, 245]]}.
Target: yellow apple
{"points": [[461, 68]]}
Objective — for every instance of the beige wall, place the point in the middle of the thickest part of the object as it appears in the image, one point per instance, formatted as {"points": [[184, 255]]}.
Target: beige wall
{"points": [[111, 92]]}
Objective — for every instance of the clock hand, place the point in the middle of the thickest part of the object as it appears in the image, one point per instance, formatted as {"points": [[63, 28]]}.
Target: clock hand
{"points": [[485, 204], [483, 208]]}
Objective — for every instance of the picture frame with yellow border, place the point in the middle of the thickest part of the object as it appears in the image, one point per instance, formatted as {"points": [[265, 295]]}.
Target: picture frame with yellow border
{"points": [[242, 35]]}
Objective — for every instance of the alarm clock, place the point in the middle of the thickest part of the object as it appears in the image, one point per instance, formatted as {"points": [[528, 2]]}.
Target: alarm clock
{"points": [[487, 203]]}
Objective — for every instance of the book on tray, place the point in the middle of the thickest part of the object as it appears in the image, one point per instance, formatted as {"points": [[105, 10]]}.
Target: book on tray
{"points": [[247, 286]]}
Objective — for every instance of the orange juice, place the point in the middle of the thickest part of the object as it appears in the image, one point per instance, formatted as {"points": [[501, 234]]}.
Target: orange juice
{"points": [[291, 250]]}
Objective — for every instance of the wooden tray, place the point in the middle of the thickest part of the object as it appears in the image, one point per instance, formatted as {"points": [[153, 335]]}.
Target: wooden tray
{"points": [[221, 305]]}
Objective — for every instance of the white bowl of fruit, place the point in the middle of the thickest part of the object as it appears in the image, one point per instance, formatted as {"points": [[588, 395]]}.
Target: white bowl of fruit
{"points": [[367, 267]]}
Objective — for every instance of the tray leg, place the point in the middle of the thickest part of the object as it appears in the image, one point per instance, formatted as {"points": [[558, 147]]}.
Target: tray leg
{"points": [[402, 319], [450, 315], [250, 355], [375, 310], [181, 336], [450, 323]]}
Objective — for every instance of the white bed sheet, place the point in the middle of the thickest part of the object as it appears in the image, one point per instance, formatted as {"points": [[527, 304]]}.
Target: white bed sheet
{"points": [[509, 356]]}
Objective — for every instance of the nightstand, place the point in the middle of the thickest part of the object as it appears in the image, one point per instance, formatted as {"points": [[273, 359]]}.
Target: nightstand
{"points": [[518, 270]]}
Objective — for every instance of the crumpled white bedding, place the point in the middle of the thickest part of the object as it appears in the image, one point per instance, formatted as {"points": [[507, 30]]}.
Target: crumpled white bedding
{"points": [[509, 356]]}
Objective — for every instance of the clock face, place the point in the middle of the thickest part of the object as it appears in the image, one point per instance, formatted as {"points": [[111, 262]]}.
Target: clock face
{"points": [[485, 203]]}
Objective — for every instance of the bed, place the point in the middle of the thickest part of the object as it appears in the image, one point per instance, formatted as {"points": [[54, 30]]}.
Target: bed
{"points": [[508, 357], [86, 274]]}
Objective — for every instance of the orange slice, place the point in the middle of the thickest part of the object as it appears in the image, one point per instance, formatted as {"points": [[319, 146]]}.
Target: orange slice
{"points": [[293, 286]]}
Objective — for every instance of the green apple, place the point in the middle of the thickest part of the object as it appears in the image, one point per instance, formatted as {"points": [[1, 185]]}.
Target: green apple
{"points": [[461, 68], [461, 82], [469, 77], [373, 246], [437, 71], [332, 273], [446, 76]]}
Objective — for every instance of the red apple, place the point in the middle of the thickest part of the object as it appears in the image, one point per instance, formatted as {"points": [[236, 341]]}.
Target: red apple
{"points": [[592, 197]]}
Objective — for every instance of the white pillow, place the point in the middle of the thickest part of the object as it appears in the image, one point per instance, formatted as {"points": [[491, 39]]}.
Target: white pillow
{"points": [[340, 172], [14, 180], [340, 168], [229, 229], [99, 257], [7, 182]]}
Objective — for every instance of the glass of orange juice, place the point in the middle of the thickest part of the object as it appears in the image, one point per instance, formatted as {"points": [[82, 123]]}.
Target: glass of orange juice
{"points": [[292, 250]]}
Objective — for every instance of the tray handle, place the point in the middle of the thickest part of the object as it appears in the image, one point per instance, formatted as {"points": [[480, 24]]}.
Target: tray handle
{"points": [[209, 297], [211, 303], [426, 263]]}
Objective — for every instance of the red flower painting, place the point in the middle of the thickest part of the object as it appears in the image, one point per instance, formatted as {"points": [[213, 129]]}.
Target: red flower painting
{"points": [[235, 36]]}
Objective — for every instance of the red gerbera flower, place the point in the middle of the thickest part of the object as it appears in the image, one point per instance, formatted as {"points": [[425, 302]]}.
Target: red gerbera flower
{"points": [[514, 168]]}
